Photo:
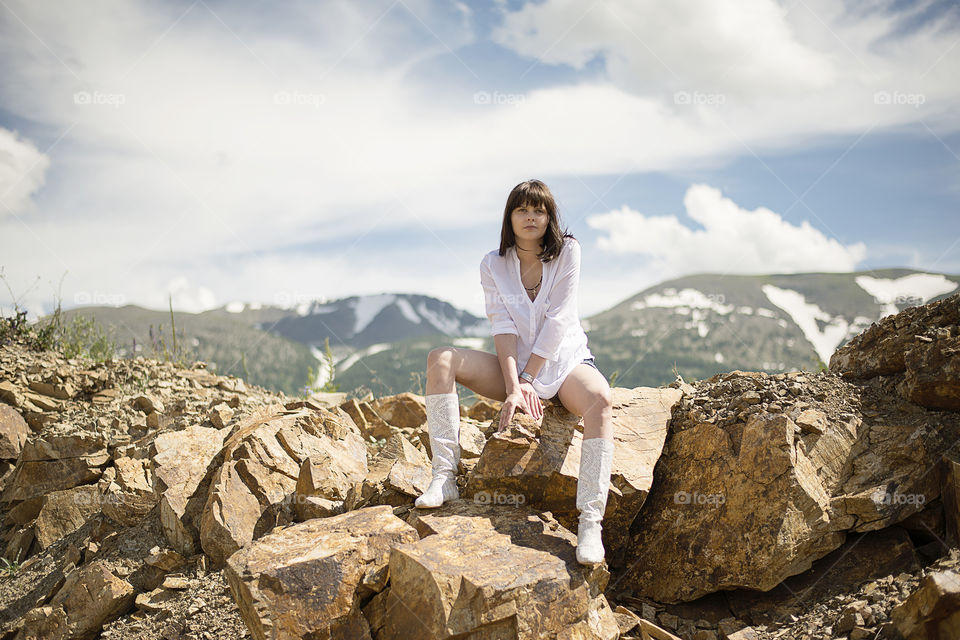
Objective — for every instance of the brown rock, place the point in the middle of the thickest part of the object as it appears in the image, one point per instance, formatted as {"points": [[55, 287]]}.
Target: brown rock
{"points": [[404, 410], [90, 596], [305, 580], [255, 488], [129, 496], [505, 572], [538, 465], [57, 460], [933, 374], [179, 463], [220, 415], [397, 475], [484, 409], [64, 512], [933, 610], [13, 432]]}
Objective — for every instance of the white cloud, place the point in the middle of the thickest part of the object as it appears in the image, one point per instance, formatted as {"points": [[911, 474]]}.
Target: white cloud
{"points": [[733, 240], [22, 171], [208, 135]]}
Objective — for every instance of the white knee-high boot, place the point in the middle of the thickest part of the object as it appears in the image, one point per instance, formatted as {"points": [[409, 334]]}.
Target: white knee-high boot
{"points": [[443, 423], [596, 458]]}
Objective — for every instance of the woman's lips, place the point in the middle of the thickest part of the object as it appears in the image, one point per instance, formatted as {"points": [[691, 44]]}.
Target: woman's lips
{"points": [[530, 226]]}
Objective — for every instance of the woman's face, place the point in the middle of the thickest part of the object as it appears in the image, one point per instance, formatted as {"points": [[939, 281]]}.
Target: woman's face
{"points": [[530, 222]]}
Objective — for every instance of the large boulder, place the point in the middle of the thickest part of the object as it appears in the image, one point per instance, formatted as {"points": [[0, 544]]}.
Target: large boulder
{"points": [[745, 496], [397, 475], [539, 464], [491, 572], [255, 489], [933, 610], [309, 579]]}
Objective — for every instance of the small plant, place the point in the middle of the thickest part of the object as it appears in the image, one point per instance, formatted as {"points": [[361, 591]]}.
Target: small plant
{"points": [[312, 376], [10, 569], [177, 354], [613, 378]]}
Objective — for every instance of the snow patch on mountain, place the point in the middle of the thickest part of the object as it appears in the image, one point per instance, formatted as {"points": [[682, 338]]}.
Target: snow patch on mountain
{"points": [[683, 301], [914, 289], [352, 359], [234, 307], [445, 324], [404, 305], [366, 308], [805, 315]]}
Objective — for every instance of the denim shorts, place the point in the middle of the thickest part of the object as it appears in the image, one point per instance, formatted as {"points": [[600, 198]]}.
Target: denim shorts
{"points": [[589, 361]]}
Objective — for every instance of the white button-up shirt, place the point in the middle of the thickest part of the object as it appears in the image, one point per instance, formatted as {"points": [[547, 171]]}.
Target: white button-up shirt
{"points": [[549, 325]]}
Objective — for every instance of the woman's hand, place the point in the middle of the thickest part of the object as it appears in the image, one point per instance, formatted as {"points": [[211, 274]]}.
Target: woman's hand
{"points": [[524, 398]]}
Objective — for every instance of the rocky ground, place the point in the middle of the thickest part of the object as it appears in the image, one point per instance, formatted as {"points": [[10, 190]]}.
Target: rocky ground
{"points": [[90, 478]]}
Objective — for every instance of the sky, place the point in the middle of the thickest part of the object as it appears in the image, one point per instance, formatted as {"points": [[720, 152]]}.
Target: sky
{"points": [[208, 152]]}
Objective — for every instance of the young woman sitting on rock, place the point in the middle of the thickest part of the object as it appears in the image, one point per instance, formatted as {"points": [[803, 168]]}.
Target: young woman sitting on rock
{"points": [[530, 287]]}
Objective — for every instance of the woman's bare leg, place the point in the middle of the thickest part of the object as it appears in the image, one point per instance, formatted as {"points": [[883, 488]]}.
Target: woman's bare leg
{"points": [[586, 393], [478, 371]]}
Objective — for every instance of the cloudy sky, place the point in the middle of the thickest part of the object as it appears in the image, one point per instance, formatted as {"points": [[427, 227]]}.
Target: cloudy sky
{"points": [[280, 152]]}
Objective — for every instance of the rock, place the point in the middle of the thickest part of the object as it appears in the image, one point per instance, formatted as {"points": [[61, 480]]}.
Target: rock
{"points": [[651, 630], [538, 465], [933, 610], [179, 464], [500, 572], [90, 596], [933, 374], [484, 409], [306, 580], [63, 512], [148, 403], [256, 487], [327, 476], [371, 425], [220, 415], [951, 499], [165, 559], [156, 600], [812, 421], [626, 620], [398, 475], [13, 432], [760, 500], [130, 495], [56, 460], [404, 410], [62, 391]]}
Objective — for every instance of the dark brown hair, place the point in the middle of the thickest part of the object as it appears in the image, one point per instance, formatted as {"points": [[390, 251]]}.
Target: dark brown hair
{"points": [[537, 194]]}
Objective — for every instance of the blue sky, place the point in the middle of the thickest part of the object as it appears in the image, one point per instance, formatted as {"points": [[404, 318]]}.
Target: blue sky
{"points": [[269, 153]]}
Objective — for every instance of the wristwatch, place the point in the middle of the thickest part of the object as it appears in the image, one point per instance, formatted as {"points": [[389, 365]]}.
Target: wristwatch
{"points": [[526, 376]]}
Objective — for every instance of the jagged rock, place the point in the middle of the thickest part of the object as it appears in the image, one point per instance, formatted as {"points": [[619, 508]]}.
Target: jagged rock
{"points": [[90, 596], [61, 390], [538, 465], [327, 476], [397, 475], [64, 512], [129, 496], [404, 410], [933, 373], [56, 460], [371, 425], [148, 403], [164, 559], [483, 571], [179, 464], [255, 488], [306, 580], [13, 432], [758, 499], [923, 342], [484, 409], [933, 610], [220, 415]]}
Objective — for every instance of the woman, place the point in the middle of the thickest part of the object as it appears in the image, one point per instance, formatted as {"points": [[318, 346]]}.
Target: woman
{"points": [[530, 288]]}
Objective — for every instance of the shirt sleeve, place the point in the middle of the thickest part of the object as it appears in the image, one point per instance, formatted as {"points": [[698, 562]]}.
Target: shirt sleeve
{"points": [[562, 308], [500, 320]]}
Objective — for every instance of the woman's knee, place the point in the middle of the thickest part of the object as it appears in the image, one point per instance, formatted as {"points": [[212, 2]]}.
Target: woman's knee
{"points": [[602, 402], [440, 359]]}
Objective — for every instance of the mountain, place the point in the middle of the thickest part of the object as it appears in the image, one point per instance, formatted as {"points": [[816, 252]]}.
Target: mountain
{"points": [[696, 325], [707, 323]]}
